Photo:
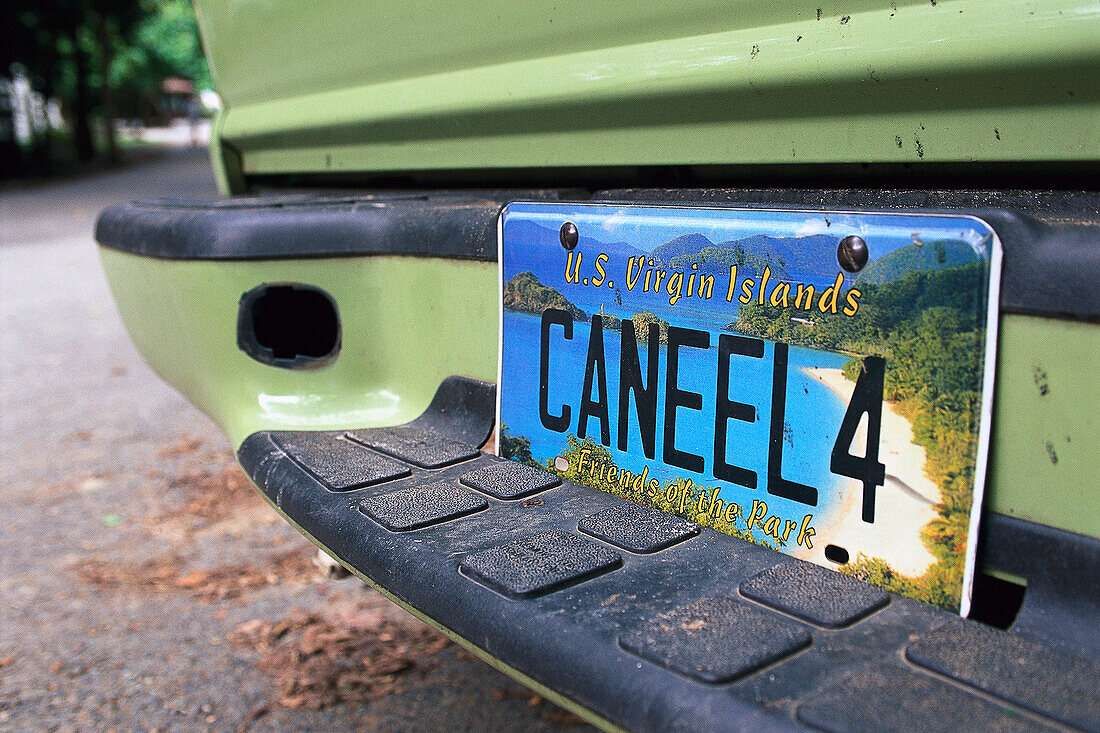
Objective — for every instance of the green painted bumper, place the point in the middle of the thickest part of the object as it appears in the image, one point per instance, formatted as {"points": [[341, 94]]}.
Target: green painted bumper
{"points": [[410, 322]]}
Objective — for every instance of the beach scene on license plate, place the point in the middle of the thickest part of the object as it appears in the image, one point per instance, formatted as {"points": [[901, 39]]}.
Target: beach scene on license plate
{"points": [[745, 370]]}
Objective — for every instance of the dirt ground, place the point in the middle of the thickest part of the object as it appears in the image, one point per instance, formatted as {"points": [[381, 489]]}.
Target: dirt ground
{"points": [[144, 585]]}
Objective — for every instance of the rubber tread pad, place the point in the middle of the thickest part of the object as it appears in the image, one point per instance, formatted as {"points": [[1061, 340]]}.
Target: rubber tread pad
{"points": [[815, 594], [638, 528], [422, 506], [1014, 669], [540, 563], [889, 698], [510, 480], [421, 448], [716, 639], [340, 464]]}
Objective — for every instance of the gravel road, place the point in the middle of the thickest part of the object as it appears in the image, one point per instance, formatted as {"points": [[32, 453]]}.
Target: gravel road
{"points": [[143, 584]]}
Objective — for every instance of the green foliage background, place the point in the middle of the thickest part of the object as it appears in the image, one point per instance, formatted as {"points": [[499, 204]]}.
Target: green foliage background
{"points": [[164, 43], [103, 59]]}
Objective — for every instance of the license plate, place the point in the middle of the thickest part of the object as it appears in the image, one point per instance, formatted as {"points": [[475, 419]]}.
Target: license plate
{"points": [[816, 382]]}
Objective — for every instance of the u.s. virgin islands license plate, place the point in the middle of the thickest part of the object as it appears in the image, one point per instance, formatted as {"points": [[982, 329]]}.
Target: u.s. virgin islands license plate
{"points": [[815, 382]]}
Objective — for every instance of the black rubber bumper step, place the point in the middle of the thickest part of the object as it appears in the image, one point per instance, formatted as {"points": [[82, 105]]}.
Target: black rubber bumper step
{"points": [[643, 620], [421, 448], [421, 506], [539, 563], [716, 639], [339, 464], [637, 528]]}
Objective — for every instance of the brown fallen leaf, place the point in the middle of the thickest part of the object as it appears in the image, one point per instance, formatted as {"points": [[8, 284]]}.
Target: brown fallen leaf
{"points": [[558, 716], [192, 580], [182, 447], [212, 494], [322, 660], [257, 712], [165, 573]]}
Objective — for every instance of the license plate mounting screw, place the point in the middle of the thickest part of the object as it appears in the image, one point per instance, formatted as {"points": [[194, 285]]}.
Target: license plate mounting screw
{"points": [[568, 235], [852, 253]]}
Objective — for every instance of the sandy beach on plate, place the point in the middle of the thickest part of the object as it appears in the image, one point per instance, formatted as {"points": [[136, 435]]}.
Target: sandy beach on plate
{"points": [[903, 506]]}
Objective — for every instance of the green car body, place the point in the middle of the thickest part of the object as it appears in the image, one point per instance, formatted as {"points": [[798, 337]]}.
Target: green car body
{"points": [[480, 94], [466, 87]]}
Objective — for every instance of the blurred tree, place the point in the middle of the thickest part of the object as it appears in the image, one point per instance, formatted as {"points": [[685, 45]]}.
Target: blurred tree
{"points": [[96, 54], [165, 44]]}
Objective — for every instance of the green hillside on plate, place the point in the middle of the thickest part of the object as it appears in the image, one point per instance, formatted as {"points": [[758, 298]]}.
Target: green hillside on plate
{"points": [[720, 258], [937, 255], [525, 294]]}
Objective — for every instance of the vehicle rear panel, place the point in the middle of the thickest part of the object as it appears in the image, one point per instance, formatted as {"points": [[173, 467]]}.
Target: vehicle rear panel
{"points": [[419, 89], [976, 107]]}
